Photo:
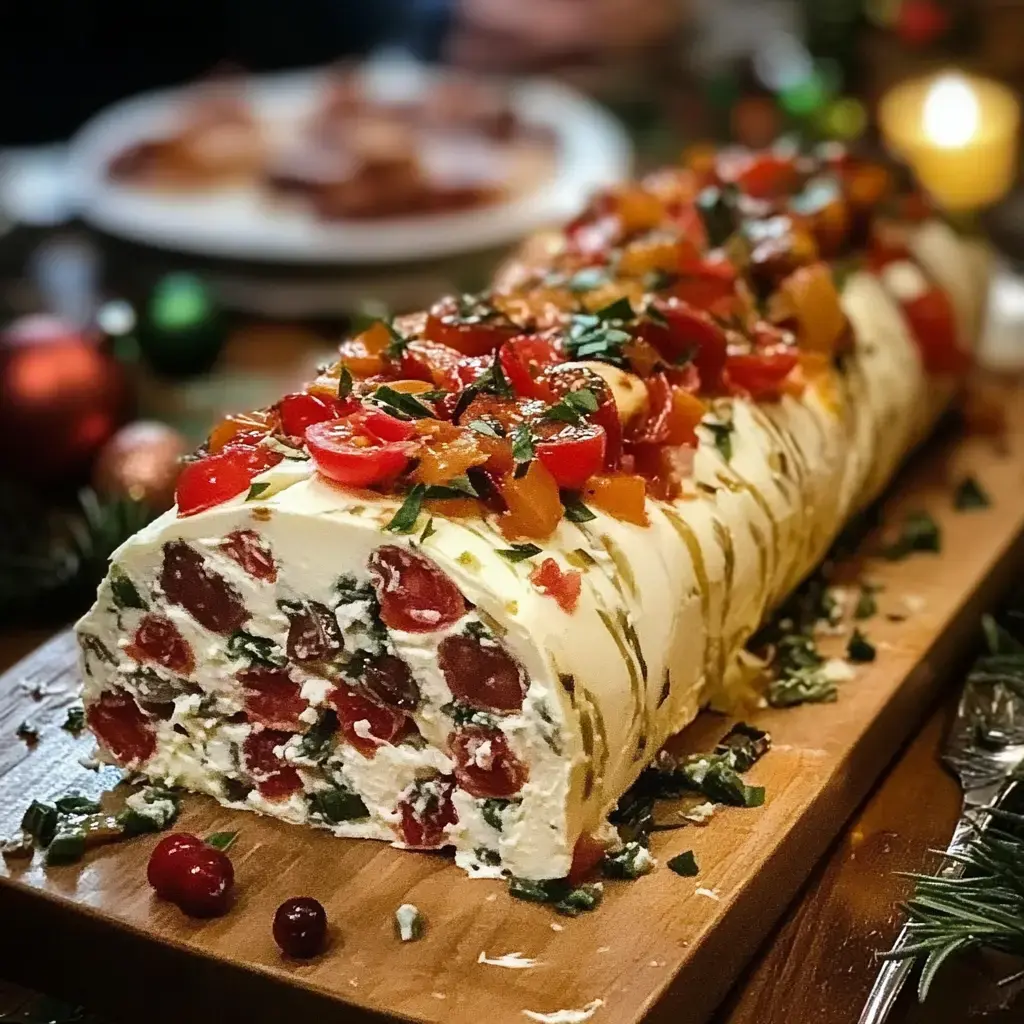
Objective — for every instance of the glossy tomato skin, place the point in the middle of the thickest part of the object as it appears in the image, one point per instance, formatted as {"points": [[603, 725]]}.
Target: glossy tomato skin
{"points": [[692, 332], [301, 410], [523, 361], [760, 374], [474, 333], [572, 454], [567, 377], [352, 452], [214, 479]]}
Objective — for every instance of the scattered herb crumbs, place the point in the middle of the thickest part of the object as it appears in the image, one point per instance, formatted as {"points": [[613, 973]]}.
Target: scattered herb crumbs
{"points": [[75, 721], [519, 552], [337, 805], [27, 732], [684, 864], [221, 840], [800, 676], [75, 804], [317, 742], [409, 922], [259, 650], [860, 649], [404, 520], [40, 822], [632, 861], [919, 532], [969, 495], [255, 490], [583, 898], [492, 809]]}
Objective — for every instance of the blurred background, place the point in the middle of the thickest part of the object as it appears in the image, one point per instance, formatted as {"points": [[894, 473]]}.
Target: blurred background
{"points": [[167, 257]]}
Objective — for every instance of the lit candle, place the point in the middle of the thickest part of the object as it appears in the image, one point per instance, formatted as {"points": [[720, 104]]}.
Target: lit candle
{"points": [[958, 133]]}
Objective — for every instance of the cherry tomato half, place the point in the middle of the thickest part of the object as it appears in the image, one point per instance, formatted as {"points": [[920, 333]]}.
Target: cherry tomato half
{"points": [[522, 361], [301, 410], [354, 451], [693, 331], [571, 453], [760, 374], [214, 479], [475, 330]]}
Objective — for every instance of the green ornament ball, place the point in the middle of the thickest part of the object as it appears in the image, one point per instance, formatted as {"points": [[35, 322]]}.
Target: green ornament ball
{"points": [[182, 331]]}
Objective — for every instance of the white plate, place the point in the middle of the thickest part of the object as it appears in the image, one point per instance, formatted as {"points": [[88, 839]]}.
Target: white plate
{"points": [[592, 151]]}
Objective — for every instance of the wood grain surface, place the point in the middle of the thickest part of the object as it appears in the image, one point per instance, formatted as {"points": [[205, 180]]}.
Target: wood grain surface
{"points": [[657, 947]]}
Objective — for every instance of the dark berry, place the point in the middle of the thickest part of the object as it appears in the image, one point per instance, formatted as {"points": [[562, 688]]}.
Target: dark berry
{"points": [[165, 862], [300, 927], [204, 885]]}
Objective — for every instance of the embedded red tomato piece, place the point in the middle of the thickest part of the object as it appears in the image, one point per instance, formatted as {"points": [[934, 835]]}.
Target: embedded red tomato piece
{"points": [[760, 374], [474, 329], [564, 587], [692, 332], [484, 765], [388, 680], [250, 551], [351, 451], [523, 360], [587, 854], [273, 777], [571, 454], [933, 324], [204, 594], [366, 724], [431, 362], [482, 674], [414, 594], [272, 697], [301, 410], [122, 727], [567, 377], [705, 284], [158, 640], [425, 812], [313, 633], [214, 479]]}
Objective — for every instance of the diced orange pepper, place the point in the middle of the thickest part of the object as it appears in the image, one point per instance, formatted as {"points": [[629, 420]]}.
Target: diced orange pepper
{"points": [[620, 496], [410, 387], [364, 354], [687, 411], [606, 294], [534, 505], [637, 209], [644, 256], [455, 508], [812, 294], [240, 425], [448, 451]]}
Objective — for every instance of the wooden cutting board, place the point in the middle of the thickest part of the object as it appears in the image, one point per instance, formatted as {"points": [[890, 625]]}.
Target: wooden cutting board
{"points": [[664, 946]]}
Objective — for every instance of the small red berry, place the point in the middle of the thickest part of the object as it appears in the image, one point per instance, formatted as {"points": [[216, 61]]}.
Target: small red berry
{"points": [[165, 862], [300, 927], [204, 885]]}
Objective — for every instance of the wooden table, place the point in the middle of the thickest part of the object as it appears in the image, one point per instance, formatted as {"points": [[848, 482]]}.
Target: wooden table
{"points": [[819, 966]]}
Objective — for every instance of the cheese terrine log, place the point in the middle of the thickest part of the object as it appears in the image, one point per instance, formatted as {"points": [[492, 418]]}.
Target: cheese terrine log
{"points": [[460, 590]]}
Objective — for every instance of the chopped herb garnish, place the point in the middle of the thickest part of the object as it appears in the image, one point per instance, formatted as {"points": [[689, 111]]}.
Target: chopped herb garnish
{"points": [[970, 495], [123, 590], [428, 530], [487, 856], [259, 650], [919, 532], [255, 490], [150, 810], [575, 510], [717, 209], [401, 404], [588, 279], [721, 433], [463, 714], [66, 847], [221, 840], [487, 429], [684, 864], [74, 723], [345, 383], [859, 648], [631, 862], [404, 520], [492, 809], [583, 898], [519, 552], [743, 745], [567, 900], [522, 448], [398, 343], [316, 744], [337, 805], [800, 674], [572, 407], [74, 804], [592, 337], [457, 487]]}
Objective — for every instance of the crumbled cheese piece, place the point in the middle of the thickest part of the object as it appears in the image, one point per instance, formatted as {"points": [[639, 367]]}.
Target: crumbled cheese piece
{"points": [[409, 921], [513, 961], [603, 949], [160, 810], [699, 815], [556, 927], [566, 1016], [914, 604], [711, 894], [438, 995], [363, 729], [838, 670]]}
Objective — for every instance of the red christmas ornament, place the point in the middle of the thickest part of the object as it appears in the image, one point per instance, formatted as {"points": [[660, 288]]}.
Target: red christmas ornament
{"points": [[921, 22], [61, 397]]}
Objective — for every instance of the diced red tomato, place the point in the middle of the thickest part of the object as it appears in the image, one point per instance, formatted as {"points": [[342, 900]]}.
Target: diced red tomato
{"points": [[933, 323], [587, 854], [272, 697], [272, 776], [564, 587], [571, 454], [188, 582], [250, 551], [692, 331], [482, 675], [761, 175], [158, 640], [705, 283], [425, 810], [389, 682], [353, 451], [472, 334], [313, 633], [760, 374], [432, 362], [366, 724], [214, 479], [522, 361], [620, 495], [484, 764], [414, 594], [122, 727], [301, 410]]}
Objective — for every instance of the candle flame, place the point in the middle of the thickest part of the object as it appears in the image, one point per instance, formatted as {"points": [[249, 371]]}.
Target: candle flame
{"points": [[950, 115]]}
